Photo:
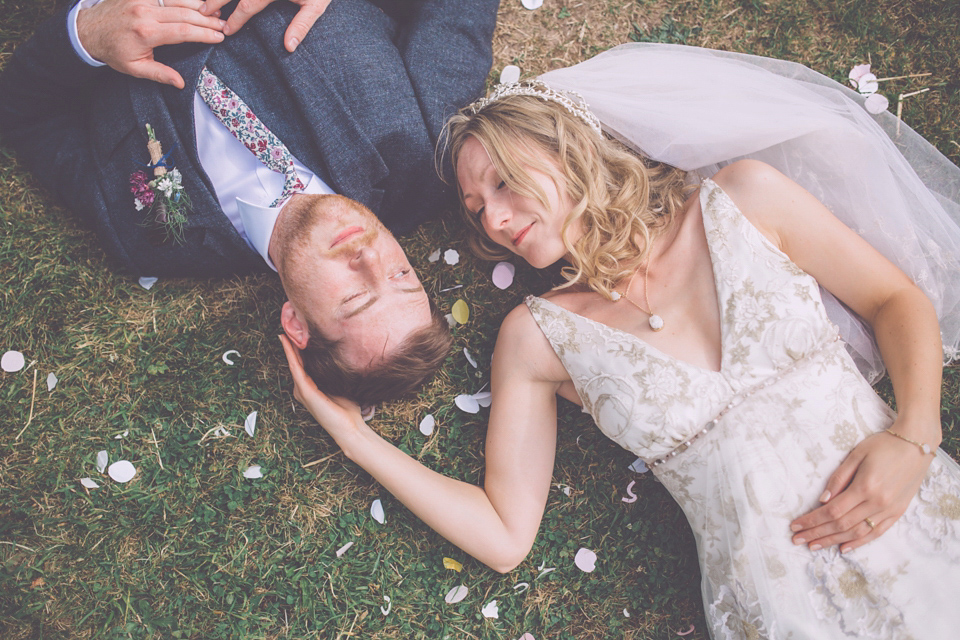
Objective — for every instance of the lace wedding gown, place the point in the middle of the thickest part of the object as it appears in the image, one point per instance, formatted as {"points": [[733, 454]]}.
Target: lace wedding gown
{"points": [[747, 449]]}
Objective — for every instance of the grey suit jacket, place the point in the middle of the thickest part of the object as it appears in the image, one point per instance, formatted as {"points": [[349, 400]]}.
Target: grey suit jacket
{"points": [[361, 103]]}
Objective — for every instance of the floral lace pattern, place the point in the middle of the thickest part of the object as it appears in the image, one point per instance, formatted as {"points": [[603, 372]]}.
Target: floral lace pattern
{"points": [[787, 411]]}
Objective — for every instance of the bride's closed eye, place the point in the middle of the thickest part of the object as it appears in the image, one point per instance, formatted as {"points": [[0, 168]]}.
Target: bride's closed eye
{"points": [[479, 212]]}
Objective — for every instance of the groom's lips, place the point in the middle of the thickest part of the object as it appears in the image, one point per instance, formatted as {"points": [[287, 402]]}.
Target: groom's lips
{"points": [[349, 232], [517, 239]]}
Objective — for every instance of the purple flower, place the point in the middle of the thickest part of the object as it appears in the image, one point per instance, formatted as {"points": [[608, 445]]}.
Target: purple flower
{"points": [[138, 182], [209, 81], [146, 197], [233, 104], [276, 153]]}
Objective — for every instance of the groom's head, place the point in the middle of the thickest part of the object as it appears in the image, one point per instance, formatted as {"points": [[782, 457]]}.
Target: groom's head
{"points": [[356, 309]]}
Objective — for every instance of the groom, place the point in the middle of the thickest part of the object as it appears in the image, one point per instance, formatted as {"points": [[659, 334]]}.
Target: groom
{"points": [[354, 110]]}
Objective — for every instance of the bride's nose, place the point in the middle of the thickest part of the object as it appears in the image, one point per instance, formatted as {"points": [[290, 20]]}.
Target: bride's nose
{"points": [[497, 214]]}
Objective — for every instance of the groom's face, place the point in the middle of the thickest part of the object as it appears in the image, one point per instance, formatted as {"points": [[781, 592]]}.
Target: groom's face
{"points": [[356, 286]]}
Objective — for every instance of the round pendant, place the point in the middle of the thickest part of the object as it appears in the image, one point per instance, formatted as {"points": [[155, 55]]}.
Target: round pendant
{"points": [[656, 322]]}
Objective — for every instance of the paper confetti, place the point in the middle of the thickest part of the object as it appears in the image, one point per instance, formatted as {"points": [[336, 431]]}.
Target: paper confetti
{"points": [[585, 560], [867, 84], [638, 466], [876, 103], [503, 275], [460, 311], [368, 412], [226, 356], [427, 424], [435, 256], [453, 288], [147, 283], [51, 381], [12, 361], [687, 632], [626, 614], [376, 510], [467, 403], [633, 496], [483, 398], [451, 322], [89, 483], [253, 472], [532, 4], [386, 611], [342, 550], [509, 75], [121, 436], [490, 610], [450, 563], [466, 354], [102, 460], [527, 636], [122, 471], [451, 256], [523, 586], [455, 595], [544, 570], [858, 72], [250, 424]]}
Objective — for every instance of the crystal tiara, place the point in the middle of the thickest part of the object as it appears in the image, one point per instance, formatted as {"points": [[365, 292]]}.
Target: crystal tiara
{"points": [[538, 89]]}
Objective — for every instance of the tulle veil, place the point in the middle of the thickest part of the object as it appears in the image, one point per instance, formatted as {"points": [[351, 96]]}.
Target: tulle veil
{"points": [[699, 109]]}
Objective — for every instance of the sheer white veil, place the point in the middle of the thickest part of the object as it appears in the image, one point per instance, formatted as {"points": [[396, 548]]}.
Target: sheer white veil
{"points": [[699, 109]]}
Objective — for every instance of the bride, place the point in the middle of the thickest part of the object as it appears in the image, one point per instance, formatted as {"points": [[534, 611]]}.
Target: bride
{"points": [[693, 328]]}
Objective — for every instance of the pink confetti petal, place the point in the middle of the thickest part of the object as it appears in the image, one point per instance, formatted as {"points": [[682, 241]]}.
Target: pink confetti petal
{"points": [[858, 72], [527, 636], [509, 75], [483, 398], [451, 256], [368, 412], [687, 632], [633, 496], [503, 275], [585, 560], [868, 84], [876, 103], [12, 361], [455, 595]]}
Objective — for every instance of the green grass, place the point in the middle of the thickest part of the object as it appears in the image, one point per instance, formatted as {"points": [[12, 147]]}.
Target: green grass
{"points": [[191, 549]]}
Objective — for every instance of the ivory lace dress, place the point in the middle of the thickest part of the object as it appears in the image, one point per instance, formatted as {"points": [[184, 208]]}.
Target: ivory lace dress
{"points": [[747, 449]]}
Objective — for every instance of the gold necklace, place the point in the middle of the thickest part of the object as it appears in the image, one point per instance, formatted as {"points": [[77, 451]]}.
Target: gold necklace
{"points": [[655, 321]]}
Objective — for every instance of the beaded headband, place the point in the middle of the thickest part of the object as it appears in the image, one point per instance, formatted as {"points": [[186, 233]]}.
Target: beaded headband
{"points": [[538, 89]]}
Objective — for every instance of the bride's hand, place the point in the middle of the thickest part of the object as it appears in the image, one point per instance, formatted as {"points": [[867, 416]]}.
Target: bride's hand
{"points": [[873, 485], [338, 416]]}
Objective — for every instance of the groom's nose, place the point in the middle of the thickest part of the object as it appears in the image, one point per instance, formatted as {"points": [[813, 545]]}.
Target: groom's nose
{"points": [[366, 258]]}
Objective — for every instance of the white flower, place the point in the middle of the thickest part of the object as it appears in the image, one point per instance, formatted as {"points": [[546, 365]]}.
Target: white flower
{"points": [[138, 204]]}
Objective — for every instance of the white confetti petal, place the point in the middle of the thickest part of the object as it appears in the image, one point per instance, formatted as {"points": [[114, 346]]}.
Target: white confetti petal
{"points": [[466, 354], [453, 288], [626, 614], [226, 356], [12, 361], [483, 398], [221, 432], [455, 595], [545, 571], [368, 412], [876, 103], [565, 489], [386, 611], [510, 74], [638, 466], [451, 321], [433, 257], [503, 275], [427, 424], [102, 460], [527, 636], [122, 471], [147, 283], [868, 84], [858, 72], [253, 472], [451, 256], [121, 436], [250, 424], [633, 496], [376, 510], [523, 586], [491, 610], [585, 560], [467, 403], [89, 484], [532, 4], [51, 381], [342, 550]]}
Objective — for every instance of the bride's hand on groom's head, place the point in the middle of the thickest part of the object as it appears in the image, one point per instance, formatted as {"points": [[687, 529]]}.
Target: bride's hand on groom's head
{"points": [[301, 24], [338, 416]]}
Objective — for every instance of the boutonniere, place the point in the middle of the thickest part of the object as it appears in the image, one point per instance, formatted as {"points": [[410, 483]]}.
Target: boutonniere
{"points": [[164, 197]]}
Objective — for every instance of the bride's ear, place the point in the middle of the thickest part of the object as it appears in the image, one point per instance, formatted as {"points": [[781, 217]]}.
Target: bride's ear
{"points": [[294, 325]]}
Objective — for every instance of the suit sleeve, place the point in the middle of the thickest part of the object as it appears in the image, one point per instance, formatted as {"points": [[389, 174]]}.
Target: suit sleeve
{"points": [[45, 95]]}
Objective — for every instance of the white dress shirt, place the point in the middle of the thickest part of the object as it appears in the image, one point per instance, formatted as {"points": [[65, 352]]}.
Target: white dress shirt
{"points": [[244, 186]]}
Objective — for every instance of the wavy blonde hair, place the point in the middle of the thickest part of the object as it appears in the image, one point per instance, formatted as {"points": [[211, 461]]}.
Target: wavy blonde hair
{"points": [[622, 202]]}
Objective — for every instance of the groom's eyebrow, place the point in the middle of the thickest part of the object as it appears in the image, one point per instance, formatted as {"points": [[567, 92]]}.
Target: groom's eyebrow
{"points": [[369, 303]]}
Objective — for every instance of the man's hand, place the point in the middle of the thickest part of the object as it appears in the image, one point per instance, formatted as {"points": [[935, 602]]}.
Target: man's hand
{"points": [[310, 10], [124, 33]]}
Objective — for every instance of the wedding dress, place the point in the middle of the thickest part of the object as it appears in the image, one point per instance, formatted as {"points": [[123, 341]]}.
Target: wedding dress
{"points": [[746, 449]]}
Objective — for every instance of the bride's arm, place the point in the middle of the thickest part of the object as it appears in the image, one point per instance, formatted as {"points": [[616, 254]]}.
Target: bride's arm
{"points": [[883, 473], [497, 523]]}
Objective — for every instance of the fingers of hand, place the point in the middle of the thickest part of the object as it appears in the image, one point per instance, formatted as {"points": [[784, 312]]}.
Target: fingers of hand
{"points": [[191, 17], [210, 7], [244, 11], [152, 70], [879, 528], [303, 22]]}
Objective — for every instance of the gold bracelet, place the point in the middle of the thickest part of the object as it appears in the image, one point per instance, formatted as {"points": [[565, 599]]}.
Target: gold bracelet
{"points": [[923, 445]]}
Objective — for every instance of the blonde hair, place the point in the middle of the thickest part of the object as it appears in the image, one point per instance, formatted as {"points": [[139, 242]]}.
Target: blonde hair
{"points": [[622, 202]]}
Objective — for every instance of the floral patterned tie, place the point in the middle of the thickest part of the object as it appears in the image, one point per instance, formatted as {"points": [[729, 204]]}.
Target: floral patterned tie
{"points": [[237, 117]]}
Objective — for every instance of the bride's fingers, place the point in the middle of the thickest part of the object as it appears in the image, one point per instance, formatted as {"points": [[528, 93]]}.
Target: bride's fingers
{"points": [[827, 519], [880, 527]]}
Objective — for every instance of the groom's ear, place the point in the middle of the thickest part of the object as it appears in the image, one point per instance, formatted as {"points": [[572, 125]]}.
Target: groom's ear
{"points": [[294, 325]]}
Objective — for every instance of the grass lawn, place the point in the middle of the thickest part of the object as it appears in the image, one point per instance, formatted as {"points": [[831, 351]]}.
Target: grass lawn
{"points": [[192, 549]]}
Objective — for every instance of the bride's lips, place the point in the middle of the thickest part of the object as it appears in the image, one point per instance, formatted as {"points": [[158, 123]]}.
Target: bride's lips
{"points": [[349, 232], [517, 239]]}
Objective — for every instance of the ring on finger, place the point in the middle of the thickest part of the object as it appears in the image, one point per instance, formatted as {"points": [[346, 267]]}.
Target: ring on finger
{"points": [[870, 523]]}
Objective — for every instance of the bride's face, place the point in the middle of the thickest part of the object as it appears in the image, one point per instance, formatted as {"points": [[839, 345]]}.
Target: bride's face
{"points": [[520, 224]]}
